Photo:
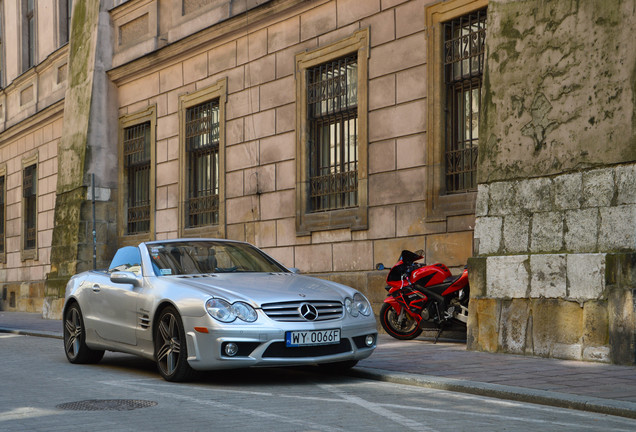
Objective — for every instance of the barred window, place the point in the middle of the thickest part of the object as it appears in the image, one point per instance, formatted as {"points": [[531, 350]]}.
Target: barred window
{"points": [[332, 110], [1, 43], [2, 214], [464, 42], [29, 195], [28, 32], [202, 164], [66, 6], [137, 171]]}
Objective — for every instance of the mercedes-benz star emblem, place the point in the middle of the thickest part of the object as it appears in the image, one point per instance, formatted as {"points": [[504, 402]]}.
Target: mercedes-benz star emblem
{"points": [[307, 311]]}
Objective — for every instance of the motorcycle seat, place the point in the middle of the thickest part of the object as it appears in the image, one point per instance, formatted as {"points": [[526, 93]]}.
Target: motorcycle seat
{"points": [[451, 279], [440, 288], [437, 289]]}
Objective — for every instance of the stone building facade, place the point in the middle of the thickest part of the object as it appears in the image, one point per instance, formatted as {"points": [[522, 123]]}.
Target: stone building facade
{"points": [[143, 66], [331, 133]]}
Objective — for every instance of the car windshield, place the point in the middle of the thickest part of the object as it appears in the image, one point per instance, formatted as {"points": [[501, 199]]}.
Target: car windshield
{"points": [[196, 257]]}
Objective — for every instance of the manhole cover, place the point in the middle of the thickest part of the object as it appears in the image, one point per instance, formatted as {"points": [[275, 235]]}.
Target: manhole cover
{"points": [[107, 405]]}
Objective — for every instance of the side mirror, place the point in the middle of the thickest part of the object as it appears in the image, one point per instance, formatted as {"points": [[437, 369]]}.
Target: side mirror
{"points": [[124, 277], [379, 266], [294, 270]]}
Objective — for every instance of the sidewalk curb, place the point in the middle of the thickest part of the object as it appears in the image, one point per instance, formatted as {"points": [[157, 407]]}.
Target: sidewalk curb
{"points": [[540, 397], [38, 333]]}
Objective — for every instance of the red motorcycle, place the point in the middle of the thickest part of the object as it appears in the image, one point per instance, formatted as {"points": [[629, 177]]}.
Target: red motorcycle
{"points": [[423, 297]]}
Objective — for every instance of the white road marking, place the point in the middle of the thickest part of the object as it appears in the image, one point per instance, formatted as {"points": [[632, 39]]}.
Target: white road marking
{"points": [[8, 335], [26, 413], [376, 409]]}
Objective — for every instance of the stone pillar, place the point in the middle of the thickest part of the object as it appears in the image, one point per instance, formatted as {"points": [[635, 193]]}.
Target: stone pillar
{"points": [[555, 231], [72, 249]]}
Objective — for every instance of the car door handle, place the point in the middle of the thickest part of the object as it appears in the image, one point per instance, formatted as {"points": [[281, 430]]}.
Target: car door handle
{"points": [[96, 288]]}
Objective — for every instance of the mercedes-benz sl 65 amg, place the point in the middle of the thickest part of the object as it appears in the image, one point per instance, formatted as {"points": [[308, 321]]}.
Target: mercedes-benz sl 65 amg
{"points": [[205, 304]]}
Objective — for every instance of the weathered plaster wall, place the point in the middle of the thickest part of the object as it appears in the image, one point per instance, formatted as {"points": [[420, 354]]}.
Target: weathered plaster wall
{"points": [[555, 233], [559, 89]]}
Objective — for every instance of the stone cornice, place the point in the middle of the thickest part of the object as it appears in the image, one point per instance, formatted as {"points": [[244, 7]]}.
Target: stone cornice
{"points": [[26, 125], [27, 76], [254, 19]]}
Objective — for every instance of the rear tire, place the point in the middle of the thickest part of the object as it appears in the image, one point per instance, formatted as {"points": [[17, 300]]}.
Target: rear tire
{"points": [[75, 338], [404, 329], [171, 351]]}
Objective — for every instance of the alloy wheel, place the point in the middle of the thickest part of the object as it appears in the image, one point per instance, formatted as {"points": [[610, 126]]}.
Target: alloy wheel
{"points": [[170, 344], [73, 332]]}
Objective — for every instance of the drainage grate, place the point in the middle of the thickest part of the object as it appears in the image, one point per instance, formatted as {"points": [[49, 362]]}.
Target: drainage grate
{"points": [[107, 405]]}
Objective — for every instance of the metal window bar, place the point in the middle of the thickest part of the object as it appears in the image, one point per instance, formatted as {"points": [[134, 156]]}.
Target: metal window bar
{"points": [[2, 213], [137, 166], [202, 150], [29, 194], [464, 46], [332, 99]]}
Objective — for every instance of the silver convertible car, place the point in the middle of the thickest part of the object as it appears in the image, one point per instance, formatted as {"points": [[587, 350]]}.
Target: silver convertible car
{"points": [[202, 304]]}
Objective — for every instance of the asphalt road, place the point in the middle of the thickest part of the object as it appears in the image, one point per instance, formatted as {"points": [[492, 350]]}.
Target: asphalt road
{"points": [[41, 391]]}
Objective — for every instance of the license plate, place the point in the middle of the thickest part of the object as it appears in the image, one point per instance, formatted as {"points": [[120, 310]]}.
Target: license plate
{"points": [[312, 337]]}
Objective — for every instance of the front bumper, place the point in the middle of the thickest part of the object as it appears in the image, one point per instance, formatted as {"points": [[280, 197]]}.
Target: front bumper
{"points": [[264, 345]]}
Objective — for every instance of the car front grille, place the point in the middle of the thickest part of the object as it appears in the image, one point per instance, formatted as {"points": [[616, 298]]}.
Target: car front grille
{"points": [[290, 311]]}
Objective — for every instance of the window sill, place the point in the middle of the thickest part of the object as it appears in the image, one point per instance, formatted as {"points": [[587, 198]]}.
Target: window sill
{"points": [[353, 218]]}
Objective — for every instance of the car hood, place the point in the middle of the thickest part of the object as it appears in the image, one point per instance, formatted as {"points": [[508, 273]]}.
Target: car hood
{"points": [[260, 288]]}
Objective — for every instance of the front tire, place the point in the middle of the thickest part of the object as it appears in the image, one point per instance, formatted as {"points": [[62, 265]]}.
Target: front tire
{"points": [[403, 328], [75, 338], [171, 352]]}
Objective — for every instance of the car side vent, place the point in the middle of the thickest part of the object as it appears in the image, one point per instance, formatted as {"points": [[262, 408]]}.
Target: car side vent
{"points": [[144, 322]]}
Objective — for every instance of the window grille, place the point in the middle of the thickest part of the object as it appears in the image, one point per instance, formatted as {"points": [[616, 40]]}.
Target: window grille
{"points": [[137, 167], [464, 42], [202, 156], [332, 109], [29, 195], [2, 214]]}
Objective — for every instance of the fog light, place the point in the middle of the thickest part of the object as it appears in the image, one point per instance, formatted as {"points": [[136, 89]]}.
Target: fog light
{"points": [[369, 340], [231, 349]]}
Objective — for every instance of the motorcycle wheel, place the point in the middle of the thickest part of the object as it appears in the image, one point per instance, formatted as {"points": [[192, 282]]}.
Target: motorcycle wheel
{"points": [[404, 329]]}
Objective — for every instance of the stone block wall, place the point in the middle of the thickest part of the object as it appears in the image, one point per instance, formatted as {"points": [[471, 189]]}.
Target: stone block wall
{"points": [[554, 272]]}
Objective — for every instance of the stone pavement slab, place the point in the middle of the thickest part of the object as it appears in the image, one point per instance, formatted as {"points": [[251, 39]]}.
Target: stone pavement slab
{"points": [[447, 365]]}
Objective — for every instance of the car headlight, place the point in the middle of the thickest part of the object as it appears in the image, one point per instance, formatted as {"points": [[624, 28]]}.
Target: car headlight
{"points": [[244, 312], [220, 310], [358, 305], [223, 311]]}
